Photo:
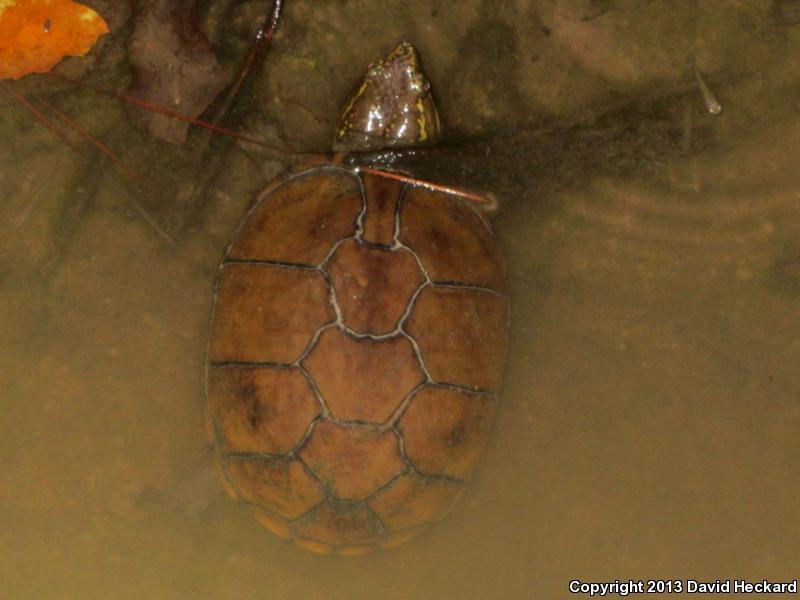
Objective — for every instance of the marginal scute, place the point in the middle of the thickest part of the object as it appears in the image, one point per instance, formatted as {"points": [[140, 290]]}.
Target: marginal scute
{"points": [[300, 221], [411, 500], [401, 537], [267, 313], [373, 285], [338, 523], [355, 550], [363, 379], [382, 195], [314, 546], [352, 461], [276, 525], [462, 334], [260, 409], [232, 493], [452, 241], [445, 430], [281, 486]]}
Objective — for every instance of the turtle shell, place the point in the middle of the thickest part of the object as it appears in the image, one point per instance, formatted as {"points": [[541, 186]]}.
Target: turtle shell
{"points": [[356, 353]]}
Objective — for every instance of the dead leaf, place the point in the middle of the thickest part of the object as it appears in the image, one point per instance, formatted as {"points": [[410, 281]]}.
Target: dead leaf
{"points": [[174, 65], [36, 34]]}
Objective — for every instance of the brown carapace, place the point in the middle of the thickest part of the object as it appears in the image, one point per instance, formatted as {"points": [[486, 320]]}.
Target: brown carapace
{"points": [[357, 347]]}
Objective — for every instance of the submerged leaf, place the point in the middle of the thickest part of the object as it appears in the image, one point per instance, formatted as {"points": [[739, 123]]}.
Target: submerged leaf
{"points": [[174, 65], [36, 34]]}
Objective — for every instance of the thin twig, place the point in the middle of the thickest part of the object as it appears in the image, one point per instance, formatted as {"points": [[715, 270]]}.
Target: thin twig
{"points": [[120, 162], [482, 199], [260, 45], [44, 120], [159, 108], [39, 116]]}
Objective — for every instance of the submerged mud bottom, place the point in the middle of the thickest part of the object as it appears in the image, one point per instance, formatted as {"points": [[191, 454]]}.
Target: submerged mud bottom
{"points": [[652, 370], [648, 422]]}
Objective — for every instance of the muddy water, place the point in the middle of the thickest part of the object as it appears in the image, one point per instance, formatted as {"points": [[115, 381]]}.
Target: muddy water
{"points": [[649, 420]]}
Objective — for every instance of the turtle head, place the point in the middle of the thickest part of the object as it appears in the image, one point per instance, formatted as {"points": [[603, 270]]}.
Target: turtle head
{"points": [[392, 108]]}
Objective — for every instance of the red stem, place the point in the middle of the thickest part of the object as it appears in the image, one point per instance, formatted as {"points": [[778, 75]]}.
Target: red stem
{"points": [[429, 185], [39, 116], [119, 162], [171, 113]]}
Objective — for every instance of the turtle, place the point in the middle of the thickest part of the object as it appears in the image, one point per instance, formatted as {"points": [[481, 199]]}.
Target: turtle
{"points": [[358, 338]]}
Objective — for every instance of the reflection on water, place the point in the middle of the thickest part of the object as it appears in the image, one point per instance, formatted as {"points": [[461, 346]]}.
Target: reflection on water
{"points": [[649, 421]]}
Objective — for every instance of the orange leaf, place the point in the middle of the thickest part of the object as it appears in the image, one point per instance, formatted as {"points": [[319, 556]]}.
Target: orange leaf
{"points": [[36, 34]]}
